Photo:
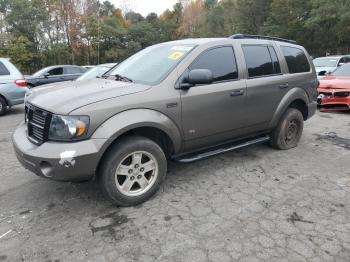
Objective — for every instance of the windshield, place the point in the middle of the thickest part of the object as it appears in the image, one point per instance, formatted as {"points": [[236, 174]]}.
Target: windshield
{"points": [[93, 73], [152, 64], [325, 62], [342, 71]]}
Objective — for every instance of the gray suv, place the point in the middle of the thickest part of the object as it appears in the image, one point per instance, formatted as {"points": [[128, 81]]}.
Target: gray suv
{"points": [[183, 100]]}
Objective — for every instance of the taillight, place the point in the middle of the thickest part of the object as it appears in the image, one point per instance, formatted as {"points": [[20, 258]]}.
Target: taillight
{"points": [[21, 83]]}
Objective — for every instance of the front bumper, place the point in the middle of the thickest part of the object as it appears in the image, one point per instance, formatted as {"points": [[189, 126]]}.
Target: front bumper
{"points": [[334, 104], [58, 161]]}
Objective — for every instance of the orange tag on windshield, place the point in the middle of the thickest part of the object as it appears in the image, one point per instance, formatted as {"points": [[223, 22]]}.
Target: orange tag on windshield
{"points": [[176, 55]]}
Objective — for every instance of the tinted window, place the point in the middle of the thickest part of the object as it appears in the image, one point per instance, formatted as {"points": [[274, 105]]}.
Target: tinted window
{"points": [[3, 70], [296, 60], [73, 70], [56, 71], [259, 60], [221, 61], [275, 62]]}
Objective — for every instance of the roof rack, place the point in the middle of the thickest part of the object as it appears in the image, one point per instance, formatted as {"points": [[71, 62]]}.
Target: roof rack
{"points": [[244, 36]]}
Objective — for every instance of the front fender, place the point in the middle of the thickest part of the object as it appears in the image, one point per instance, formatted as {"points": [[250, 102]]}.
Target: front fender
{"points": [[290, 97], [125, 121]]}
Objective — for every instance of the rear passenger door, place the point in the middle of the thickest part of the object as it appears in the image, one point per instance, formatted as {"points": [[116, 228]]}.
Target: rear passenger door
{"points": [[211, 112], [266, 84]]}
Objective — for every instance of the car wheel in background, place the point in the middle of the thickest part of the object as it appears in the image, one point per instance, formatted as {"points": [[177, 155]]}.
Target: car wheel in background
{"points": [[288, 131], [3, 106], [132, 170]]}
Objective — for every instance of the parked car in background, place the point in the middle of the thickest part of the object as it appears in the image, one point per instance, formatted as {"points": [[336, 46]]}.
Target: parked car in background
{"points": [[53, 74], [88, 67], [334, 90], [96, 71], [12, 86], [184, 100], [328, 64]]}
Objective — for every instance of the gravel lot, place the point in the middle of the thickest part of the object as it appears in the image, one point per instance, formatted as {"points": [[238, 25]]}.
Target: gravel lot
{"points": [[257, 204]]}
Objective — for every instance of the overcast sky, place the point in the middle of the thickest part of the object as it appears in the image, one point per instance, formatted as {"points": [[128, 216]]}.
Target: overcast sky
{"points": [[145, 7]]}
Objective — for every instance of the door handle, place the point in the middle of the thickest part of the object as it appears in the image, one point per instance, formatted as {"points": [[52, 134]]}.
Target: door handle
{"points": [[283, 86], [237, 92]]}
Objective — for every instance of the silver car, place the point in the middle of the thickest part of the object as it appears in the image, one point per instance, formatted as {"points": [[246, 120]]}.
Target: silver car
{"points": [[328, 64], [96, 71], [12, 86]]}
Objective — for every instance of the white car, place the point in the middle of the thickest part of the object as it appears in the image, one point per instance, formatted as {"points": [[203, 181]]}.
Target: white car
{"points": [[328, 64]]}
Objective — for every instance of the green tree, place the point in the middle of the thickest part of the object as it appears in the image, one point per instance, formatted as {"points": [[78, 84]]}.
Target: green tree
{"points": [[18, 50]]}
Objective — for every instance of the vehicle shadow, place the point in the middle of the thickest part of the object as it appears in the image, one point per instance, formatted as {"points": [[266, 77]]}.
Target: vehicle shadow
{"points": [[19, 109]]}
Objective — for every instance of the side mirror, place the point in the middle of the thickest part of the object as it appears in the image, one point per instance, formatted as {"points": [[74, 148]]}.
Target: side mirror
{"points": [[198, 77], [322, 73], [340, 64], [46, 75]]}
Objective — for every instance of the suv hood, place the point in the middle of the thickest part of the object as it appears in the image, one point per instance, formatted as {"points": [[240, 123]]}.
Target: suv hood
{"points": [[63, 98]]}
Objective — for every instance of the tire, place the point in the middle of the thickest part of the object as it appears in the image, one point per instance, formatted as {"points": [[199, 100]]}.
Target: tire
{"points": [[3, 106], [288, 132], [122, 175]]}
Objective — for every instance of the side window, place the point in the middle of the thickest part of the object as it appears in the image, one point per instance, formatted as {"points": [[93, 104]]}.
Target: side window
{"points": [[342, 61], [221, 61], [3, 70], [275, 62], [56, 71], [261, 60], [72, 70], [296, 60]]}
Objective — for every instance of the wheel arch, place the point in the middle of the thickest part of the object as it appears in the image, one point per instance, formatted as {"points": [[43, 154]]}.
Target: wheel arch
{"points": [[6, 101], [296, 98], [142, 122]]}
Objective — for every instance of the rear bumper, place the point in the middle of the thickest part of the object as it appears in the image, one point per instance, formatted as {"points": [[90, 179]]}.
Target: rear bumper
{"points": [[15, 95], [58, 161], [312, 107]]}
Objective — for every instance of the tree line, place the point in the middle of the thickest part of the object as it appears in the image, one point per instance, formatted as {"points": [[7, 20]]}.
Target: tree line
{"points": [[37, 33]]}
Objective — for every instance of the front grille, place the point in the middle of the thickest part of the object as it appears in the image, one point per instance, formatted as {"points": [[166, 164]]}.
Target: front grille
{"points": [[341, 94], [38, 123]]}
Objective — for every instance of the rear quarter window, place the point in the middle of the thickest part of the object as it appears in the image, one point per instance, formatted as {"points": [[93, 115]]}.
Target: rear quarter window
{"points": [[296, 60], [3, 70]]}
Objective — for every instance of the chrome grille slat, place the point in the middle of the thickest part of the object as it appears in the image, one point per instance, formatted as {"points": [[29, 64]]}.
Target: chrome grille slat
{"points": [[38, 123]]}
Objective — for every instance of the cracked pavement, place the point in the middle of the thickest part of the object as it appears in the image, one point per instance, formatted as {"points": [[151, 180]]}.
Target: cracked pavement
{"points": [[255, 204]]}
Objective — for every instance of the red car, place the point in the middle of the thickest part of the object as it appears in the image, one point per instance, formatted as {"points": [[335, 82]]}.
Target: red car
{"points": [[334, 90]]}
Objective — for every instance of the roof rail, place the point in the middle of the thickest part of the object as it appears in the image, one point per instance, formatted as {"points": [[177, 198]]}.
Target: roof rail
{"points": [[244, 36]]}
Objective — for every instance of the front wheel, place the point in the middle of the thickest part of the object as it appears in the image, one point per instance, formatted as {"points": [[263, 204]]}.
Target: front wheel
{"points": [[288, 131], [132, 170]]}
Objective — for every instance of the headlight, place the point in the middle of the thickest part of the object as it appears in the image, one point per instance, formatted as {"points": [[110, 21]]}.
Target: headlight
{"points": [[68, 128]]}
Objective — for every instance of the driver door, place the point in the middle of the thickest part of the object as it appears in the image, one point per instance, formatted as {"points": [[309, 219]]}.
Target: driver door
{"points": [[54, 75], [212, 112]]}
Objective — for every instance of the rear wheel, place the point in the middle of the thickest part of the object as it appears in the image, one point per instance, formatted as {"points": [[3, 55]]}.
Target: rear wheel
{"points": [[3, 106], [288, 132], [132, 171]]}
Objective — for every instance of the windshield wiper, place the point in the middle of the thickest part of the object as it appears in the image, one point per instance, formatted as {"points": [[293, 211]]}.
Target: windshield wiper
{"points": [[123, 78]]}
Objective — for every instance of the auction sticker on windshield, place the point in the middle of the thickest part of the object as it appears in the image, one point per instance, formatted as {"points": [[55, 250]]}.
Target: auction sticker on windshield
{"points": [[176, 55]]}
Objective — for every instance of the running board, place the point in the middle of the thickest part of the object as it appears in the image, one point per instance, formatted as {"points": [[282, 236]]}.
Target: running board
{"points": [[192, 157]]}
